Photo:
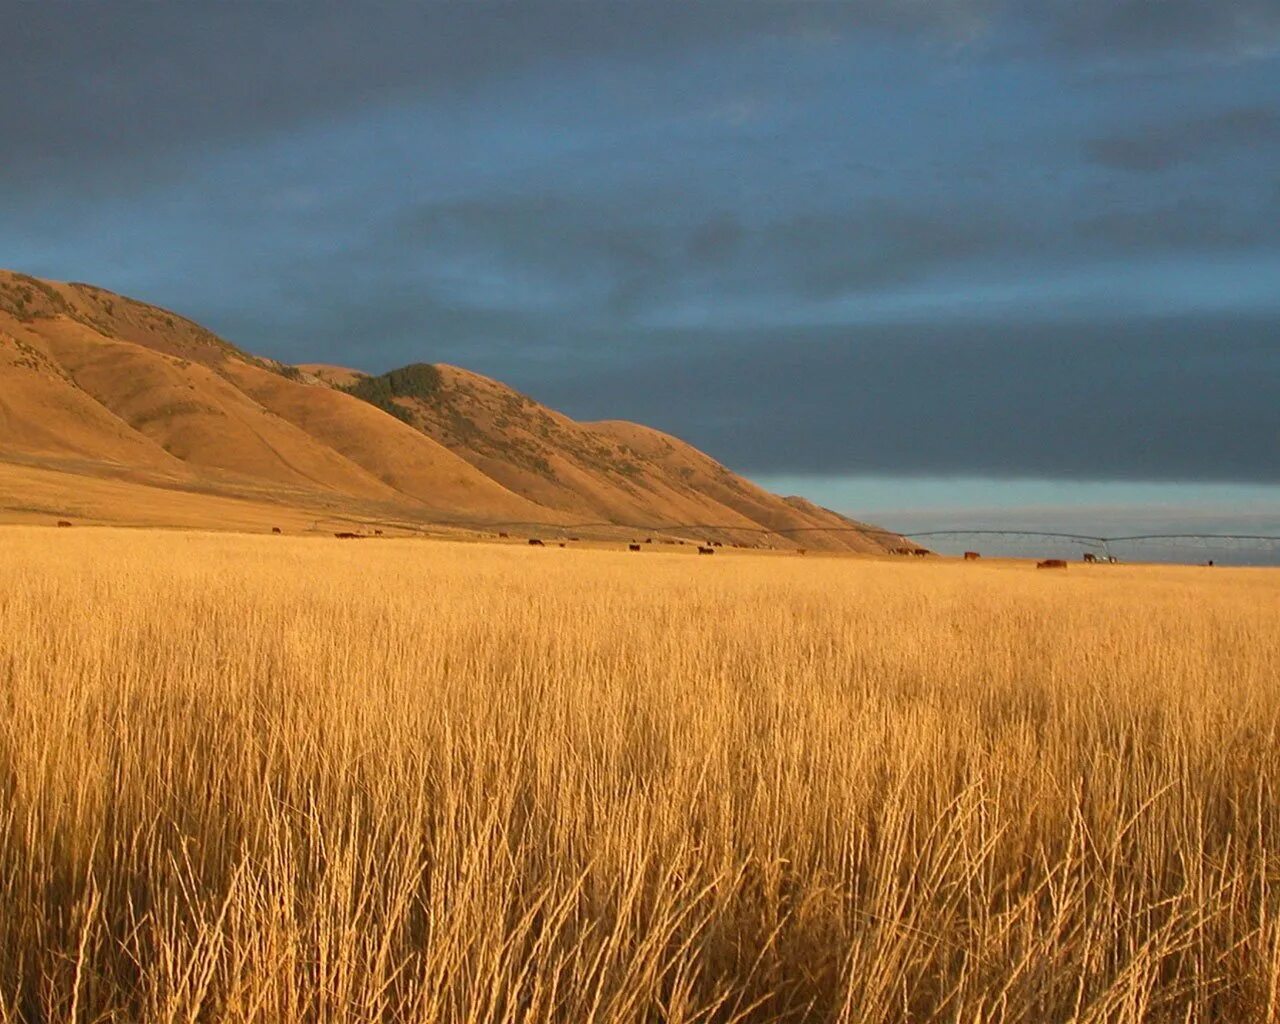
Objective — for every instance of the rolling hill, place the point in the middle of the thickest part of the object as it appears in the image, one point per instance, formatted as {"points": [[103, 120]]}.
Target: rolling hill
{"points": [[114, 410]]}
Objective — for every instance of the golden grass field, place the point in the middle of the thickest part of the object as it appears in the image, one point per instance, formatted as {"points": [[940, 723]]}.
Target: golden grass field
{"points": [[282, 779]]}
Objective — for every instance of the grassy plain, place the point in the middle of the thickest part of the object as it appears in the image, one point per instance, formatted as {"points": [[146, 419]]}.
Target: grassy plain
{"points": [[280, 779]]}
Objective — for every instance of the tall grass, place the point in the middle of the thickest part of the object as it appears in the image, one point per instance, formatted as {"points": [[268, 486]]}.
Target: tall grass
{"points": [[283, 780]]}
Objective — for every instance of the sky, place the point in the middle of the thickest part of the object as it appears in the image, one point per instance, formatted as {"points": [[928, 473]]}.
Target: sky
{"points": [[941, 264]]}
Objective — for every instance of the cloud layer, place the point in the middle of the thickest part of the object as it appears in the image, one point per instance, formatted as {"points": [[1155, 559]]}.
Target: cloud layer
{"points": [[881, 236]]}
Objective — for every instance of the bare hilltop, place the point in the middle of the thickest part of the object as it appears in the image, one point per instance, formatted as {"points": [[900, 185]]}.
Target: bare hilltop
{"points": [[116, 411]]}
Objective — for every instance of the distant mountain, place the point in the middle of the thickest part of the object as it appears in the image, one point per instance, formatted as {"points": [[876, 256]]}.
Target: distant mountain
{"points": [[95, 386]]}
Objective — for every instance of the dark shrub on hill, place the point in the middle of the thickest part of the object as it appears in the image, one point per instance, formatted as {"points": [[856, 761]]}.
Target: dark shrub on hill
{"points": [[419, 380]]}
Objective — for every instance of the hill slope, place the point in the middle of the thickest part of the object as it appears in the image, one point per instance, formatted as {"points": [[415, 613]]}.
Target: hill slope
{"points": [[95, 384]]}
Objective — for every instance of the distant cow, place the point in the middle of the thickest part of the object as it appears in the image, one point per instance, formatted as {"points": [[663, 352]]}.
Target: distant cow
{"points": [[63, 523], [633, 547], [562, 543], [706, 551], [716, 544], [801, 551], [276, 529], [534, 542], [921, 552], [377, 533], [1090, 557], [971, 556], [345, 535], [1052, 563], [648, 540], [504, 535]]}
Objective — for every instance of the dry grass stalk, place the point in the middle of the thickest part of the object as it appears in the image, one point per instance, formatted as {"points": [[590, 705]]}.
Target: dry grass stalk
{"points": [[298, 780]]}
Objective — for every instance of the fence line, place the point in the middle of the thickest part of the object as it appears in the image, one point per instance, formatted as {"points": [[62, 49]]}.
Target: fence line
{"points": [[865, 530], [876, 531]]}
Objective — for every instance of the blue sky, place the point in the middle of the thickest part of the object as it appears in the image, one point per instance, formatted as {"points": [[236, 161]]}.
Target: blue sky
{"points": [[985, 260]]}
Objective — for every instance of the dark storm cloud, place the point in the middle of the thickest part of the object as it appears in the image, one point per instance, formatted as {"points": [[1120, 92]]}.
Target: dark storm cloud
{"points": [[715, 240], [1186, 225], [1186, 399], [515, 283], [636, 260], [1228, 28], [131, 80], [555, 234], [885, 244], [1161, 146], [376, 328]]}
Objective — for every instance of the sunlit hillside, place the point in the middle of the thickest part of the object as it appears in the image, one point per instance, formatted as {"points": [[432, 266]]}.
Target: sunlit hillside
{"points": [[282, 779], [114, 411]]}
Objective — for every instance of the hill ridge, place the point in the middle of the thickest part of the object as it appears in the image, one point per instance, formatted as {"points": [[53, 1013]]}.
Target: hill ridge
{"points": [[90, 377]]}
